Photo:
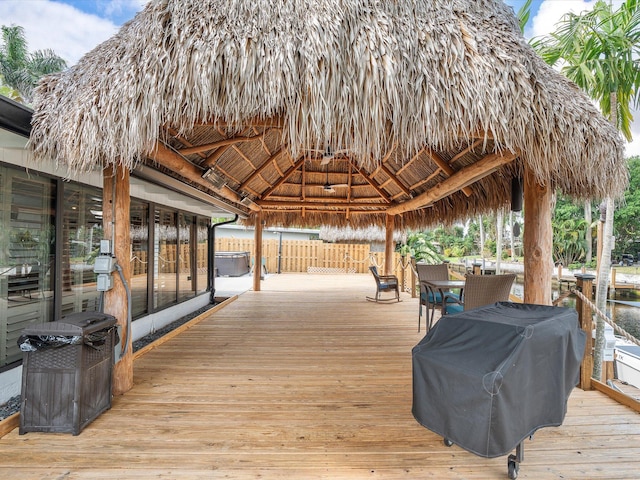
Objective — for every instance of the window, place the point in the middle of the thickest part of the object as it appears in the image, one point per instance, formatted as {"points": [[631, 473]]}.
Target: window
{"points": [[27, 244], [165, 250], [81, 232], [202, 253], [187, 278], [139, 257]]}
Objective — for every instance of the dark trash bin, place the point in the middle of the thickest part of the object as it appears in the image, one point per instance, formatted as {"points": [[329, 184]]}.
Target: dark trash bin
{"points": [[66, 372]]}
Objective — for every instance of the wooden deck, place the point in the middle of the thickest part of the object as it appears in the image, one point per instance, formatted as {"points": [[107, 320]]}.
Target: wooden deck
{"points": [[303, 380]]}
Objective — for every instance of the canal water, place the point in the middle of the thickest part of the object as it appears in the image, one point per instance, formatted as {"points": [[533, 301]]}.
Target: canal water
{"points": [[624, 311]]}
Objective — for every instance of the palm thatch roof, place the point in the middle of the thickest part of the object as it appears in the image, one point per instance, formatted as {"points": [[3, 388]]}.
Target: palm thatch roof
{"points": [[428, 108], [370, 234]]}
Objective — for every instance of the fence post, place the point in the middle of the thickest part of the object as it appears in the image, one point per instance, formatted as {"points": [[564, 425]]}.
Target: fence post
{"points": [[584, 284]]}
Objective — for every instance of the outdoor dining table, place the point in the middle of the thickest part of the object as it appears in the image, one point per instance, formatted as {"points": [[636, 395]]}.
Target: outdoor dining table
{"points": [[444, 286]]}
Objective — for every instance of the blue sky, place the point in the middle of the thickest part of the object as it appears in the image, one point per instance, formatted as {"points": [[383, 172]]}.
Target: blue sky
{"points": [[116, 11]]}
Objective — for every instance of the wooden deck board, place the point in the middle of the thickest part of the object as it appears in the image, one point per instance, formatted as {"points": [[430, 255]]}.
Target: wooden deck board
{"points": [[303, 380]]}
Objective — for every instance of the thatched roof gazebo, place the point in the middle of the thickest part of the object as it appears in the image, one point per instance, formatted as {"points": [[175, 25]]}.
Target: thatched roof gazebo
{"points": [[336, 112]]}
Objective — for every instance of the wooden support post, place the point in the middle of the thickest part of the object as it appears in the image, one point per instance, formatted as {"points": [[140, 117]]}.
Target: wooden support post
{"points": [[584, 283], [608, 371], [389, 246], [600, 233], [537, 241], [257, 254], [414, 278], [116, 223], [559, 275]]}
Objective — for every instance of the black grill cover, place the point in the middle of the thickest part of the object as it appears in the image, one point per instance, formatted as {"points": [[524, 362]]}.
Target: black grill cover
{"points": [[487, 378]]}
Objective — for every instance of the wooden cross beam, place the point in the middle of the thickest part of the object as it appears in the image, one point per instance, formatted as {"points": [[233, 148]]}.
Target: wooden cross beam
{"points": [[287, 174], [317, 202], [459, 180], [445, 167], [259, 170], [372, 182], [395, 180]]}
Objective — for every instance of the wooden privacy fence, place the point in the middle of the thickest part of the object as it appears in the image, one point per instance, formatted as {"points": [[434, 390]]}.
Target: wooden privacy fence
{"points": [[313, 256], [296, 256]]}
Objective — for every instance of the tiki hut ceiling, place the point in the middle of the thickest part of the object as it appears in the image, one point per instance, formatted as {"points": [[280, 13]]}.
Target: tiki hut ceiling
{"points": [[335, 112]]}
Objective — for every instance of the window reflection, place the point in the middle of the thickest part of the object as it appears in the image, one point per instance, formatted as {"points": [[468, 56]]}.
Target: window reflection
{"points": [[187, 278], [165, 250], [202, 254], [27, 244], [82, 232], [139, 257]]}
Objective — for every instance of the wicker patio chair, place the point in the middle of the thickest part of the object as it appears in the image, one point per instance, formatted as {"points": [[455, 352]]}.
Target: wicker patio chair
{"points": [[481, 290], [384, 283], [429, 297]]}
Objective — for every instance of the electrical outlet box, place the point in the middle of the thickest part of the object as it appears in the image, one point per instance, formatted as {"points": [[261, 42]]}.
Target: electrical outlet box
{"points": [[104, 264], [105, 247], [104, 282]]}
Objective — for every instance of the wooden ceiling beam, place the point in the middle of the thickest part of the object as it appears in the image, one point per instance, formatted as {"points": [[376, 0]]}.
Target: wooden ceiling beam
{"points": [[445, 167], [337, 210], [174, 162], [461, 179], [259, 170], [287, 174], [371, 201], [174, 133], [426, 180], [303, 181], [325, 202], [371, 182], [243, 156], [395, 180], [413, 159], [215, 156], [462, 153], [227, 174]]}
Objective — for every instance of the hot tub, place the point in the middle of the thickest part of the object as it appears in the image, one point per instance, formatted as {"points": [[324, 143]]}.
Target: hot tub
{"points": [[232, 264]]}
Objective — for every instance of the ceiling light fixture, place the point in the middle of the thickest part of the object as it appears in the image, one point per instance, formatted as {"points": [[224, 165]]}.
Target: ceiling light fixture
{"points": [[216, 180], [247, 202]]}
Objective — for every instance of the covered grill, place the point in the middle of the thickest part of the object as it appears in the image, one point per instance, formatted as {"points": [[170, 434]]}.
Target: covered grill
{"points": [[487, 378]]}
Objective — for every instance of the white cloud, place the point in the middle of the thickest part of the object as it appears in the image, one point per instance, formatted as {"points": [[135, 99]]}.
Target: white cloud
{"points": [[633, 148], [57, 26], [123, 9]]}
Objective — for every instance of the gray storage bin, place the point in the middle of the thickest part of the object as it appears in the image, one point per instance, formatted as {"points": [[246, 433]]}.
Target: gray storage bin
{"points": [[66, 372]]}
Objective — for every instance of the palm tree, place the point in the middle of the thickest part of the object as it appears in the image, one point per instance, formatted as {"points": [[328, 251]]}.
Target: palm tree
{"points": [[599, 51], [19, 69], [568, 240]]}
